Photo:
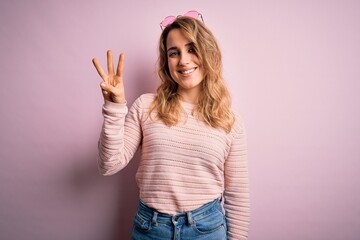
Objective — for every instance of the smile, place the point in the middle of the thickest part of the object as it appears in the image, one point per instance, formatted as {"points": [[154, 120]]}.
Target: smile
{"points": [[187, 71]]}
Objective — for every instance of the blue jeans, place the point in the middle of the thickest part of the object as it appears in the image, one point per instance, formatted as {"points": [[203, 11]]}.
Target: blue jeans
{"points": [[205, 223]]}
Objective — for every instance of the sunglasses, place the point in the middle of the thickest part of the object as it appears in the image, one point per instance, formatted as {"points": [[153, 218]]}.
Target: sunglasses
{"points": [[170, 19]]}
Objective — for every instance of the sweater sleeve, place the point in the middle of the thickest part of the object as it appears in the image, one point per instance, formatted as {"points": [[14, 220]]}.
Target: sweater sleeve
{"points": [[120, 136], [237, 199]]}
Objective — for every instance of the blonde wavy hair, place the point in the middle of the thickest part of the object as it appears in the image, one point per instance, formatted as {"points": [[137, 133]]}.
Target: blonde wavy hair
{"points": [[214, 105]]}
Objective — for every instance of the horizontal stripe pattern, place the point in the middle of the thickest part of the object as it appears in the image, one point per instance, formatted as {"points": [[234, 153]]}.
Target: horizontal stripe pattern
{"points": [[182, 167]]}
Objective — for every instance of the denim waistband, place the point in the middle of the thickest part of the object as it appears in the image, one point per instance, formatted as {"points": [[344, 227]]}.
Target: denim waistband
{"points": [[183, 217]]}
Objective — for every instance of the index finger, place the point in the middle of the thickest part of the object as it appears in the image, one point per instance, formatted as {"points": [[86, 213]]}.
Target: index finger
{"points": [[99, 69], [120, 67]]}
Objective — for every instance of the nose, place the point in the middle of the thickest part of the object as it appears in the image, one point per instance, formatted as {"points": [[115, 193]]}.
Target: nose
{"points": [[185, 59]]}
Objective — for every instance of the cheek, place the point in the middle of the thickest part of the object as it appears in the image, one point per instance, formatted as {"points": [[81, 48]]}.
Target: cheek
{"points": [[170, 69], [195, 59], [202, 73], [171, 65]]}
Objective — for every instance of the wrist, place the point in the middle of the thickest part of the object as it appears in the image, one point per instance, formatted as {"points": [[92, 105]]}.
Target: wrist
{"points": [[120, 100]]}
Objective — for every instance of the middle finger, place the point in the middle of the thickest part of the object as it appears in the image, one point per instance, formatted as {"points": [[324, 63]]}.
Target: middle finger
{"points": [[110, 63]]}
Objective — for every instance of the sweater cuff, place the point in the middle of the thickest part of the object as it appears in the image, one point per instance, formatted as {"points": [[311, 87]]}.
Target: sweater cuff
{"points": [[115, 107]]}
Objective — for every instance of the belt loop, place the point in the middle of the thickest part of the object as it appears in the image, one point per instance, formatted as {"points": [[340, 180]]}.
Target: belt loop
{"points": [[154, 219], [190, 219]]}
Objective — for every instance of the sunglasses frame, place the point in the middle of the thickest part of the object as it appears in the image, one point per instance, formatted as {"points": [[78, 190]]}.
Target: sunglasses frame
{"points": [[163, 26]]}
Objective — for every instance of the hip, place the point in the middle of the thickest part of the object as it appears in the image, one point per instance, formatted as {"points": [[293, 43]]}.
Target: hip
{"points": [[207, 222]]}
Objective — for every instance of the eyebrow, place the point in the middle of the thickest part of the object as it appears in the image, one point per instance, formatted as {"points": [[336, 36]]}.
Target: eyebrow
{"points": [[175, 48]]}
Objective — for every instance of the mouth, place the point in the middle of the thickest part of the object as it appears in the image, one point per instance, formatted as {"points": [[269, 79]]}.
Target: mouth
{"points": [[187, 72]]}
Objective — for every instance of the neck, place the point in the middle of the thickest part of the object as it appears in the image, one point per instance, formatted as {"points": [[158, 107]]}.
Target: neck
{"points": [[189, 96]]}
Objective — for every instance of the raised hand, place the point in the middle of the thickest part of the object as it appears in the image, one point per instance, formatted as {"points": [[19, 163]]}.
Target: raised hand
{"points": [[112, 85]]}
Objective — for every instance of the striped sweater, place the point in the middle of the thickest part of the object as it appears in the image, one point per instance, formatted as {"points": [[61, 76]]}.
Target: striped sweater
{"points": [[182, 167]]}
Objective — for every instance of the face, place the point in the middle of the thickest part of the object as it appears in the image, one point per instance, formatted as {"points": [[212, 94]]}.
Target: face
{"points": [[184, 65]]}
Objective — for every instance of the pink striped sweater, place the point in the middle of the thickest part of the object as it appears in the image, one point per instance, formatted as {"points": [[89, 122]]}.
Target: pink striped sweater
{"points": [[181, 167]]}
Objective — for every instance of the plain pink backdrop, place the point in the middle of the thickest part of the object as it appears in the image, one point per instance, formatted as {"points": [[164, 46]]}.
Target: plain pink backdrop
{"points": [[293, 68]]}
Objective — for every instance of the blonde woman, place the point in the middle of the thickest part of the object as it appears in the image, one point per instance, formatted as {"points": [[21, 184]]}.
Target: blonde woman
{"points": [[193, 175]]}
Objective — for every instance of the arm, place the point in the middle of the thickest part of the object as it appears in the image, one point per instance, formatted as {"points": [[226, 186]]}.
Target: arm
{"points": [[237, 201], [120, 136]]}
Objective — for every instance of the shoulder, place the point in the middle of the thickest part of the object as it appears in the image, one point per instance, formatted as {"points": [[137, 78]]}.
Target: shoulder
{"points": [[147, 97], [144, 101], [239, 125]]}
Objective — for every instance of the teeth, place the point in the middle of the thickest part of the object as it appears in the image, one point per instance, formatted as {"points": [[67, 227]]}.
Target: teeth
{"points": [[188, 71]]}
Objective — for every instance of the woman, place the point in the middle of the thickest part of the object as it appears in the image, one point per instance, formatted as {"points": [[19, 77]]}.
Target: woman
{"points": [[193, 175]]}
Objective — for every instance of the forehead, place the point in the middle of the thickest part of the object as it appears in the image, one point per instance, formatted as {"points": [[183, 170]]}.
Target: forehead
{"points": [[176, 38]]}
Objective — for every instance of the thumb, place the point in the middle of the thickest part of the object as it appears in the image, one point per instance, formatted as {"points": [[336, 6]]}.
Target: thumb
{"points": [[106, 91], [106, 87]]}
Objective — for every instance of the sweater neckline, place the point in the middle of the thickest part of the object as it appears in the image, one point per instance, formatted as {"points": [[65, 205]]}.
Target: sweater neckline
{"points": [[187, 105]]}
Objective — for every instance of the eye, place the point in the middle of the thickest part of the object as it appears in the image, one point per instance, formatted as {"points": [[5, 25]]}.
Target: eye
{"points": [[192, 50], [173, 54]]}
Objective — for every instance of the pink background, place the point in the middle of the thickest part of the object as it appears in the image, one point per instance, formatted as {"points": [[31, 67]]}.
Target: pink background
{"points": [[293, 69]]}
